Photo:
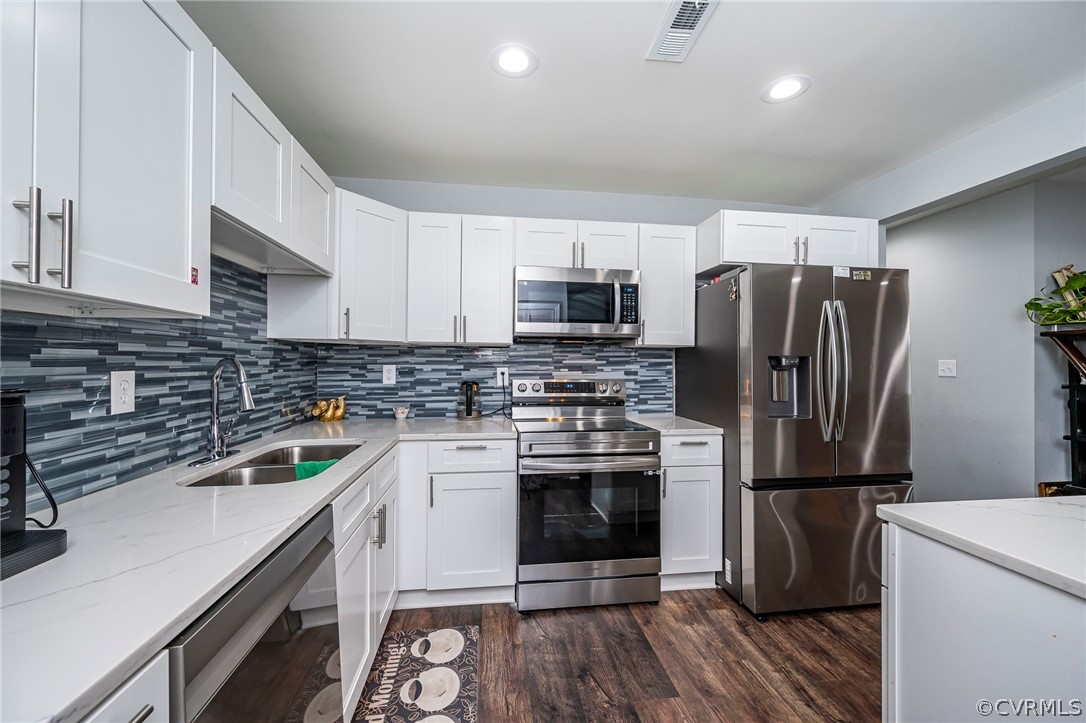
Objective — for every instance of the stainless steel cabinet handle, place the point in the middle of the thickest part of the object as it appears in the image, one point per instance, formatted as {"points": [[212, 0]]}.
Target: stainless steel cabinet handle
{"points": [[431, 490], [806, 247], [846, 377], [582, 254], [66, 216], [379, 515], [642, 336], [574, 254], [663, 480], [142, 714], [472, 446], [384, 524], [796, 246], [689, 443], [33, 242], [456, 328], [347, 323], [464, 328]]}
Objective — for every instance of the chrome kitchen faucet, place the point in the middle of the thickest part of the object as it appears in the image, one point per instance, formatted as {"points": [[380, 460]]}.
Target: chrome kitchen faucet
{"points": [[222, 430]]}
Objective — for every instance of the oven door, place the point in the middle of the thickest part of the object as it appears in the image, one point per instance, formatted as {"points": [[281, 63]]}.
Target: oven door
{"points": [[584, 517], [553, 303]]}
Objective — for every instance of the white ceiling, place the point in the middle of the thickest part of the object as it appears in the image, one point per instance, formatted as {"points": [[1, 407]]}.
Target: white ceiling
{"points": [[403, 90]]}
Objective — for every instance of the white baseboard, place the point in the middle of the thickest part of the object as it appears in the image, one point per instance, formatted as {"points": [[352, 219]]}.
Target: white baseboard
{"points": [[414, 599], [315, 617], [688, 581]]}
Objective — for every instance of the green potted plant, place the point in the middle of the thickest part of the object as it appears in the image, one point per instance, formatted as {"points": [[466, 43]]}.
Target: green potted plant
{"points": [[1066, 304]]}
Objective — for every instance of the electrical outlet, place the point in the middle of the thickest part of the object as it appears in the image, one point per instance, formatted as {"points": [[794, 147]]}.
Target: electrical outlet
{"points": [[502, 376], [122, 392], [388, 374], [948, 367]]}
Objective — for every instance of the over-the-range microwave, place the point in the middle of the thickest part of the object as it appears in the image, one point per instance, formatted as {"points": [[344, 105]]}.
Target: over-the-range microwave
{"points": [[576, 304]]}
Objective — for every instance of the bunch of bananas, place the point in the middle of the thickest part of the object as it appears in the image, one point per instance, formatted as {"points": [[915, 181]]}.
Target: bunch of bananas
{"points": [[330, 410]]}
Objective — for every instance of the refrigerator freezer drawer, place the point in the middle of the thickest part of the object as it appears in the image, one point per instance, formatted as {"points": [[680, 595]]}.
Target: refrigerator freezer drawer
{"points": [[813, 547]]}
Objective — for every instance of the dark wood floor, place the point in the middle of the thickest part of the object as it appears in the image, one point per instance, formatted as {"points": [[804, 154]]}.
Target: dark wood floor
{"points": [[697, 656]]}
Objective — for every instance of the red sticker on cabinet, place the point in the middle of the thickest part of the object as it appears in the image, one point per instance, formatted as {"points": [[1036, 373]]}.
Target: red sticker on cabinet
{"points": [[195, 277]]}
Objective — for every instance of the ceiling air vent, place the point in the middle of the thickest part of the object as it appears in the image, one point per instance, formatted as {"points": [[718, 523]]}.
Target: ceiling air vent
{"points": [[682, 25]]}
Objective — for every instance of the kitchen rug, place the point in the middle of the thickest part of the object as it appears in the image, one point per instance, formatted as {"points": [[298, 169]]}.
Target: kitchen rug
{"points": [[418, 676]]}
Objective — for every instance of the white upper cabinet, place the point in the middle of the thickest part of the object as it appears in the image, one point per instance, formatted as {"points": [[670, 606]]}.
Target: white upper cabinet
{"points": [[546, 242], [606, 245], [730, 237], [576, 244], [274, 206], [460, 285], [486, 272], [252, 157], [433, 286], [366, 298], [312, 210], [110, 118], [667, 285]]}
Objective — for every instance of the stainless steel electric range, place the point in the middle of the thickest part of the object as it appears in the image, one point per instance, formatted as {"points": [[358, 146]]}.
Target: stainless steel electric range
{"points": [[589, 503]]}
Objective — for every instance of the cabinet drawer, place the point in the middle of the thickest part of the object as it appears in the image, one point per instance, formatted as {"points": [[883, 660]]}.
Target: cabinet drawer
{"points": [[349, 509], [144, 697], [487, 455], [695, 450], [387, 470]]}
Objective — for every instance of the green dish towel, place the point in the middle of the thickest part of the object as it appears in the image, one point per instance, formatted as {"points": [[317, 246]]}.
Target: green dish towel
{"points": [[305, 470]]}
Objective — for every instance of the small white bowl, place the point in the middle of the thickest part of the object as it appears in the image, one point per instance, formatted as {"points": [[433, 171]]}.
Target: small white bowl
{"points": [[401, 412]]}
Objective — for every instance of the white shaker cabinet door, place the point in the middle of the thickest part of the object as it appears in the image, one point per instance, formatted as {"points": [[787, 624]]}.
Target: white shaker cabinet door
{"points": [[355, 584], [123, 132], [667, 285], [433, 286], [753, 237], [607, 245], [547, 242], [691, 525], [385, 587], [312, 210], [252, 157], [486, 294], [373, 268], [471, 530], [17, 139], [838, 241]]}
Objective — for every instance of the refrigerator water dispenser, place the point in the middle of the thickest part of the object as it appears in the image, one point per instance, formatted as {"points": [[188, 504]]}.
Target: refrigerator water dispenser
{"points": [[789, 387]]}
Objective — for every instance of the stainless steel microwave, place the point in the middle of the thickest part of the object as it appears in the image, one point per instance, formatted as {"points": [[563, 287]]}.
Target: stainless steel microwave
{"points": [[582, 304]]}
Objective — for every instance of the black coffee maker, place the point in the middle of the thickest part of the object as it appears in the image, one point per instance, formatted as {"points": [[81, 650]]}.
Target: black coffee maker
{"points": [[20, 548]]}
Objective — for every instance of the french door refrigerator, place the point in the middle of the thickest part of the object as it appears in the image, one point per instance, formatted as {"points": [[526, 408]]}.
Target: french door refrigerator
{"points": [[806, 368]]}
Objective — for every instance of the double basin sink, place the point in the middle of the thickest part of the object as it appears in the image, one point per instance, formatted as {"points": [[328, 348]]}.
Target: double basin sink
{"points": [[275, 466]]}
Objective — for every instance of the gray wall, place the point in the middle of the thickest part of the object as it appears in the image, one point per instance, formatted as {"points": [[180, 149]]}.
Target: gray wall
{"points": [[547, 203], [971, 269], [1060, 239], [995, 430]]}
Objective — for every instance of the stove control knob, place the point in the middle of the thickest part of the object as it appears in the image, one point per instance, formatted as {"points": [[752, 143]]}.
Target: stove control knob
{"points": [[602, 387], [536, 387], [522, 387], [616, 387]]}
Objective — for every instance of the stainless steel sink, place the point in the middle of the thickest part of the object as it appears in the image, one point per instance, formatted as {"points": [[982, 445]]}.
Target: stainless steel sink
{"points": [[275, 466], [311, 453]]}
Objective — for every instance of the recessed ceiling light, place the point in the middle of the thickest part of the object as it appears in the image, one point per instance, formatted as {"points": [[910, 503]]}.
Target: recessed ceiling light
{"points": [[786, 88], [514, 60]]}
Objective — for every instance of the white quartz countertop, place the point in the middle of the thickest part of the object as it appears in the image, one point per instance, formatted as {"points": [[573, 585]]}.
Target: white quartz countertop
{"points": [[147, 557], [670, 424], [1042, 537]]}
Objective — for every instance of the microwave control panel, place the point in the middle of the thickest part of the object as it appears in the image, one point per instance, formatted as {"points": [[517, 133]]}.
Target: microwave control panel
{"points": [[629, 313]]}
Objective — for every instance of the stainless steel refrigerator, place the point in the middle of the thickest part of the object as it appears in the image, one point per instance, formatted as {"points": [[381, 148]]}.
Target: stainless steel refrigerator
{"points": [[806, 368]]}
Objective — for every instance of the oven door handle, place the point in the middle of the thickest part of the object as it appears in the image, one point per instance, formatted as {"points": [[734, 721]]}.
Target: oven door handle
{"points": [[629, 463]]}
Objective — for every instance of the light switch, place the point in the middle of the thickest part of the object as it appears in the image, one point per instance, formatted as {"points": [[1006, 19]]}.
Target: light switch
{"points": [[122, 392], [948, 367]]}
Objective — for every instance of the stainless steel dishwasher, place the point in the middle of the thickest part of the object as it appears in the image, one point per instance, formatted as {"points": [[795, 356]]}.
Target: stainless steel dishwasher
{"points": [[204, 656]]}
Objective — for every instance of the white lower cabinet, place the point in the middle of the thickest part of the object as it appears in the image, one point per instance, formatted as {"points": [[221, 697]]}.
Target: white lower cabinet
{"points": [[691, 519], [385, 587], [471, 530], [144, 697], [355, 585]]}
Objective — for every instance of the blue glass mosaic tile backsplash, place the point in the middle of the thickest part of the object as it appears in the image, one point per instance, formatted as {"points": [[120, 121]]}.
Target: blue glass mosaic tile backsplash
{"points": [[80, 448]]}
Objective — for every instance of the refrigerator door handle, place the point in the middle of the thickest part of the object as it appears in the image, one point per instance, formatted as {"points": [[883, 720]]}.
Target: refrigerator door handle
{"points": [[827, 407], [841, 319]]}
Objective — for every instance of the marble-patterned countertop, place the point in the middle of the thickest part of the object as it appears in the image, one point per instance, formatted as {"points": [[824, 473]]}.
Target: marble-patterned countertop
{"points": [[670, 424], [1041, 537], [147, 557]]}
